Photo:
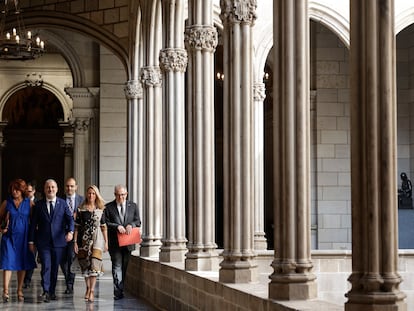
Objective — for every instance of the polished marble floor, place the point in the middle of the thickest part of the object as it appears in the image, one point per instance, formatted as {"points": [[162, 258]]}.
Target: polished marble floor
{"points": [[103, 297]]}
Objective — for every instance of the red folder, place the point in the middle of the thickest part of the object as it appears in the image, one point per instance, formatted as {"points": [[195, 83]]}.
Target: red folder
{"points": [[128, 239]]}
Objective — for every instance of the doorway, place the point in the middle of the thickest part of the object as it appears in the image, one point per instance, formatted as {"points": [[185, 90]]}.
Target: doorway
{"points": [[32, 138]]}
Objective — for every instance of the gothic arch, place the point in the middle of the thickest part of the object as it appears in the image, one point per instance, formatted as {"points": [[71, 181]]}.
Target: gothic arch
{"points": [[49, 19], [403, 20], [71, 57], [331, 19]]}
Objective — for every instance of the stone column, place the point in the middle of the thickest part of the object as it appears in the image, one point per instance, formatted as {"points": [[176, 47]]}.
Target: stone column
{"points": [[292, 278], [375, 280], [201, 41], [173, 62], [84, 103], [150, 75], [135, 147], [259, 95], [67, 145], [80, 126], [238, 265], [153, 185]]}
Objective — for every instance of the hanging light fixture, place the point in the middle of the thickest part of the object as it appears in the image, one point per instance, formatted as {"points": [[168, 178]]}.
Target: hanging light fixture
{"points": [[17, 43]]}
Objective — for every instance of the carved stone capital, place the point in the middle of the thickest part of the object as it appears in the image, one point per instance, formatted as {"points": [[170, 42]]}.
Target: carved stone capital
{"points": [[173, 59], [259, 91], [80, 124], [238, 11], [201, 38], [133, 89], [34, 79], [151, 76]]}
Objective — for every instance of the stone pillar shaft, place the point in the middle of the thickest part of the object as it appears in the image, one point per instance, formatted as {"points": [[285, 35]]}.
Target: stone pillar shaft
{"points": [[238, 265], [259, 234], [201, 41], [84, 103], [375, 280], [151, 79], [292, 277], [173, 62], [133, 92]]}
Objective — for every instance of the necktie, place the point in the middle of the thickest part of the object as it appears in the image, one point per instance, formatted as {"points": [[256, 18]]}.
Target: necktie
{"points": [[71, 205], [50, 207], [122, 212]]}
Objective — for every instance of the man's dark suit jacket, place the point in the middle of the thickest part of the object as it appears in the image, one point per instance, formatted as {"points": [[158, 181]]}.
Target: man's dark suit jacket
{"points": [[78, 200], [113, 220], [50, 230]]}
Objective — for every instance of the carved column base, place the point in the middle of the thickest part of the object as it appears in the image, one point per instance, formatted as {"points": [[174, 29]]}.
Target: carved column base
{"points": [[202, 261], [293, 291], [238, 271], [398, 306], [175, 252], [150, 248], [376, 301], [260, 242]]}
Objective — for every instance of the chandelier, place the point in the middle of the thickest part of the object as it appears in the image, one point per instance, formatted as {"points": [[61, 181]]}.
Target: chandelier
{"points": [[17, 43]]}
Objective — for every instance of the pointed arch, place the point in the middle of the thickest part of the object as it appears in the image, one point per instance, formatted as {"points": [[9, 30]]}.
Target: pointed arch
{"points": [[50, 19]]}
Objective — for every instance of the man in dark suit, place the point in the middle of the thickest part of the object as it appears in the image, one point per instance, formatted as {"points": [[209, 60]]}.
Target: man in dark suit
{"points": [[73, 200], [51, 228], [30, 193], [121, 216]]}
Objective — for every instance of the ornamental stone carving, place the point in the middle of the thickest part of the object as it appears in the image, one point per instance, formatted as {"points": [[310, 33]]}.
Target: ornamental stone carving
{"points": [[133, 89], [236, 11], [259, 91], [34, 79], [201, 38], [80, 124], [173, 59], [151, 76]]}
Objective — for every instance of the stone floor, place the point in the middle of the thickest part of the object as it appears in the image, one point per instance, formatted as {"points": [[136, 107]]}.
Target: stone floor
{"points": [[103, 297]]}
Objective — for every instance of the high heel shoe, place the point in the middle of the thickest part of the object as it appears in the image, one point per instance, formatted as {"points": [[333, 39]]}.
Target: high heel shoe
{"points": [[87, 294], [20, 296], [6, 296], [91, 296]]}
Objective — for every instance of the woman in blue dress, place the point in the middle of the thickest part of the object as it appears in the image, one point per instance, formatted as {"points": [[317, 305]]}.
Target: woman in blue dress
{"points": [[14, 251]]}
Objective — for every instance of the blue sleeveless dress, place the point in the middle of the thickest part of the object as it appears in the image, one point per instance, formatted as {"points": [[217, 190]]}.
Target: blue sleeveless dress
{"points": [[14, 251]]}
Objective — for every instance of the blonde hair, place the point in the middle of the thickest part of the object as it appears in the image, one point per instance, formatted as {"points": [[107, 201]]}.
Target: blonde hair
{"points": [[99, 202]]}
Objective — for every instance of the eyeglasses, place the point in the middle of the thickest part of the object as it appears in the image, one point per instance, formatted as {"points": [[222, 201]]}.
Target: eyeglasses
{"points": [[120, 194]]}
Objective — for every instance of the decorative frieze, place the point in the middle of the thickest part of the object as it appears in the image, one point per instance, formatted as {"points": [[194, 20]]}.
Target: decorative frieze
{"points": [[133, 89], [201, 38], [238, 11], [173, 59], [151, 76]]}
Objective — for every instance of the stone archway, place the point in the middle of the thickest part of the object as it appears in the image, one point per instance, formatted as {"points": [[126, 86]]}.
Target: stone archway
{"points": [[32, 137]]}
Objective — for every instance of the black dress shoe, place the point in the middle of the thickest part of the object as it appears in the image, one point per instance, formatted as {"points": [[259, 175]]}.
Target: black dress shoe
{"points": [[118, 297], [69, 291], [53, 297], [46, 297]]}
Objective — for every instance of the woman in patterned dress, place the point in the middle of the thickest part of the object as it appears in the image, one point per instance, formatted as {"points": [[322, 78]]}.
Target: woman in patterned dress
{"points": [[14, 252], [90, 238]]}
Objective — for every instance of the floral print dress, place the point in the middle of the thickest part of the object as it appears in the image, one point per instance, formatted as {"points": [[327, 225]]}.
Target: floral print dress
{"points": [[91, 242]]}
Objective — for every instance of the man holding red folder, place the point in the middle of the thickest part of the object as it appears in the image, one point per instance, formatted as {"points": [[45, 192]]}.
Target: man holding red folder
{"points": [[121, 216]]}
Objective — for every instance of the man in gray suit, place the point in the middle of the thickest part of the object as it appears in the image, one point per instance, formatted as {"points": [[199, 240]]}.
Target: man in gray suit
{"points": [[121, 216], [73, 200]]}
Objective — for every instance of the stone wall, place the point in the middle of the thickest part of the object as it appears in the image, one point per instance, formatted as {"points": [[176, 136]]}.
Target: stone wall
{"points": [[331, 191], [113, 125], [169, 287]]}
